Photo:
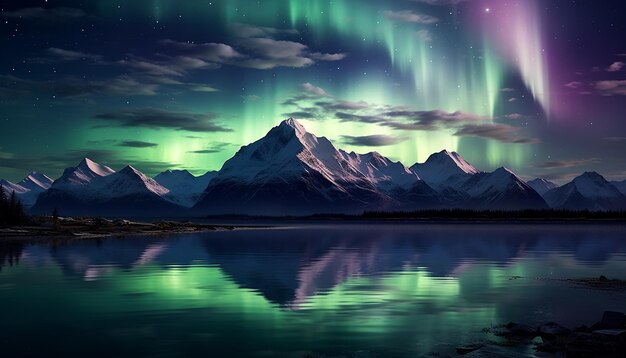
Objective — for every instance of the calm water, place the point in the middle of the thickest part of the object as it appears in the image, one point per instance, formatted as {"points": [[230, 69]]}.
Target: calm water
{"points": [[343, 290]]}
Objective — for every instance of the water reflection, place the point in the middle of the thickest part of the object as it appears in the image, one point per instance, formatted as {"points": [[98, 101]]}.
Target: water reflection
{"points": [[390, 290]]}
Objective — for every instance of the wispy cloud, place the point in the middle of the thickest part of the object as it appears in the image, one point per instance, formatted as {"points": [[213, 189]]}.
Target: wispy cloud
{"points": [[574, 85], [307, 87], [45, 14], [376, 140], [611, 88], [137, 144], [500, 132], [616, 66], [213, 148], [424, 35], [161, 118], [567, 163], [258, 48], [311, 104], [410, 16], [62, 55]]}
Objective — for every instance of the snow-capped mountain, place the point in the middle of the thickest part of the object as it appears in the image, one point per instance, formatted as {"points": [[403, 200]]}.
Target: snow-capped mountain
{"points": [[27, 190], [542, 186], [444, 169], [382, 171], [293, 172], [36, 182], [620, 185], [589, 191], [81, 175], [184, 187], [94, 189], [10, 187], [500, 190]]}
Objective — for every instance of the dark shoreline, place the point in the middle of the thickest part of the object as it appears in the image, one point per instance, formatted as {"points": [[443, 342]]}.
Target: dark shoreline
{"points": [[43, 229]]}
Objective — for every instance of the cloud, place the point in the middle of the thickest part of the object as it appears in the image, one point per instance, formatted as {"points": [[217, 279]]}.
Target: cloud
{"points": [[431, 120], [160, 118], [213, 148], [404, 118], [501, 132], [176, 66], [301, 114], [211, 52], [611, 88], [410, 16], [329, 57], [245, 30], [117, 86], [507, 89], [615, 139], [307, 87], [376, 140], [560, 164], [202, 88], [616, 66], [61, 55], [137, 144], [424, 35], [574, 85], [43, 14], [270, 53], [338, 105], [349, 117], [260, 52], [514, 116], [11, 86]]}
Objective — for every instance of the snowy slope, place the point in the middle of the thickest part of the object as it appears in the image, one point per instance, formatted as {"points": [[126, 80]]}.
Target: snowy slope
{"points": [[26, 196], [291, 171], [502, 190], [36, 182], [184, 187], [620, 185], [382, 171], [94, 189], [444, 169], [542, 186], [588, 191], [81, 175], [10, 187]]}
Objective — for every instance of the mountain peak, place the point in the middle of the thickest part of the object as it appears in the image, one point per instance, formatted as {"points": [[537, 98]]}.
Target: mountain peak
{"points": [[95, 168], [36, 181], [293, 123], [441, 166], [590, 175], [504, 170], [541, 185]]}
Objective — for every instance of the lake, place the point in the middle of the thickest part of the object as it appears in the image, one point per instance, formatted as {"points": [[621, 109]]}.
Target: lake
{"points": [[327, 290]]}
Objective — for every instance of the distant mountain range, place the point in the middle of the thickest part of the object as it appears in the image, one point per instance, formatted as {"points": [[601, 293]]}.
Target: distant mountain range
{"points": [[293, 172]]}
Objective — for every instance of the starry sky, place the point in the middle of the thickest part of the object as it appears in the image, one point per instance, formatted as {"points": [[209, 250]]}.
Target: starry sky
{"points": [[538, 86]]}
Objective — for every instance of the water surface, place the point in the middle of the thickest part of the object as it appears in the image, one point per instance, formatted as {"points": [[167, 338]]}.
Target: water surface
{"points": [[343, 290]]}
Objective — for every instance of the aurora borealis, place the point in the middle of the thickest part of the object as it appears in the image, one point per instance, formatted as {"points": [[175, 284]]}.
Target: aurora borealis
{"points": [[165, 84]]}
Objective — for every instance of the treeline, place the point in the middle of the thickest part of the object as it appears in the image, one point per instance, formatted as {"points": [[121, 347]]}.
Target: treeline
{"points": [[11, 210], [470, 214]]}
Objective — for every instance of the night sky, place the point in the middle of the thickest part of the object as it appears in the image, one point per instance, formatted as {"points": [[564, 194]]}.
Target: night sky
{"points": [[538, 86]]}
